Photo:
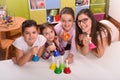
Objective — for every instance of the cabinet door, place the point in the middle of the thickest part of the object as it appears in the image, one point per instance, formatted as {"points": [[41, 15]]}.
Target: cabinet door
{"points": [[38, 15], [67, 3]]}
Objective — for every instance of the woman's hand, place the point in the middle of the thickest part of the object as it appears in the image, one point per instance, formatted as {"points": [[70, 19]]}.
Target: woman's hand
{"points": [[85, 40]]}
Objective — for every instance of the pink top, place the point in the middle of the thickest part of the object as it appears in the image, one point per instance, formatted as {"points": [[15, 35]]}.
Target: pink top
{"points": [[58, 29]]}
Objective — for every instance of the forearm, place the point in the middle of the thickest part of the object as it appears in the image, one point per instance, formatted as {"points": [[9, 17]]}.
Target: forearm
{"points": [[61, 49], [100, 48], [70, 55], [24, 59], [41, 50], [99, 53]]}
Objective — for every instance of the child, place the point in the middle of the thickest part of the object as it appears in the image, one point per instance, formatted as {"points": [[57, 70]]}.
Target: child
{"points": [[67, 26], [29, 44], [52, 43], [101, 33]]}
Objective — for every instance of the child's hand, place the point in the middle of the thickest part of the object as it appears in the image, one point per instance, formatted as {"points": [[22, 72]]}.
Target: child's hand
{"points": [[56, 40], [65, 35], [85, 40], [69, 58], [34, 50], [61, 33], [14, 60], [51, 48]]}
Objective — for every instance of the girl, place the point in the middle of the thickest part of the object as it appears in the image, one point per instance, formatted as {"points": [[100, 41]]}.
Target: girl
{"points": [[66, 26], [29, 44], [101, 33], [52, 43]]}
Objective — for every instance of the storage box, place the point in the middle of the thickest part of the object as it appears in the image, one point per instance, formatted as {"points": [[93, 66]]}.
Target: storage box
{"points": [[97, 8], [97, 1], [99, 16]]}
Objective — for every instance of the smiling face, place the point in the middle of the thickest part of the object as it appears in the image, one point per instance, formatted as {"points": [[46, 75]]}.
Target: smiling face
{"points": [[67, 21], [30, 35], [49, 34], [84, 22]]}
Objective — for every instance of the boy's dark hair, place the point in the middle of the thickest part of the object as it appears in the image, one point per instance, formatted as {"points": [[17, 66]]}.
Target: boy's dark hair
{"points": [[29, 23]]}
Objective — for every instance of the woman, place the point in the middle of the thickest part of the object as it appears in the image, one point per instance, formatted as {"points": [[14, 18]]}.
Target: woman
{"points": [[101, 34]]}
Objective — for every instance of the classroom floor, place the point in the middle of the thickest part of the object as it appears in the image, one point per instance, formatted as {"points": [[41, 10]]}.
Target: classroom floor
{"points": [[1, 55]]}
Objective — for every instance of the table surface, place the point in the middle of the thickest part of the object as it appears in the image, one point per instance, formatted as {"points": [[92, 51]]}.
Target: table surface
{"points": [[84, 68], [17, 21]]}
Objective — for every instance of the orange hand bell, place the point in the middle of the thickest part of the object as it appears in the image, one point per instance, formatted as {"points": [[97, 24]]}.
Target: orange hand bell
{"points": [[66, 36]]}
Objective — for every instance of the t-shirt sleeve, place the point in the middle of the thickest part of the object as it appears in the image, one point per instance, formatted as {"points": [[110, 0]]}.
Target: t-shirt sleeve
{"points": [[18, 44], [42, 40]]}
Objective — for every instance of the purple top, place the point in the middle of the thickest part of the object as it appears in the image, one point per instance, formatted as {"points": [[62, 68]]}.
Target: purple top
{"points": [[58, 29]]}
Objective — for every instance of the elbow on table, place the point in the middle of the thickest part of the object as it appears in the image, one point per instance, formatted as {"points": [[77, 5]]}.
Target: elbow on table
{"points": [[99, 55], [16, 62], [84, 53], [19, 64]]}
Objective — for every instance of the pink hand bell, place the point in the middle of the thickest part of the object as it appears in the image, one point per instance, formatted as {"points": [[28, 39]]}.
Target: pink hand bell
{"points": [[91, 45]]}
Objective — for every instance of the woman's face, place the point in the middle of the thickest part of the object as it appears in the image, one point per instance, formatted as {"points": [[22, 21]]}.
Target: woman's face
{"points": [[49, 34], [85, 23], [30, 34], [67, 21]]}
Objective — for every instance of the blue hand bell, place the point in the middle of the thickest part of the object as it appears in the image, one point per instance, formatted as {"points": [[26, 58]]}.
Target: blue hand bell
{"points": [[56, 53], [35, 58]]}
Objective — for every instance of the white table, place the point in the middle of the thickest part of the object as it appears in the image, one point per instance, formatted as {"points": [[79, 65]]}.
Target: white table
{"points": [[84, 68]]}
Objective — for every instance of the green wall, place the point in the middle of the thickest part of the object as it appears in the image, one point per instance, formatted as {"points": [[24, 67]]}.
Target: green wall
{"points": [[19, 7]]}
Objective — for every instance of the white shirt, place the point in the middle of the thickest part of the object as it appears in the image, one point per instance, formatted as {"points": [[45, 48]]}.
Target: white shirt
{"points": [[21, 44]]}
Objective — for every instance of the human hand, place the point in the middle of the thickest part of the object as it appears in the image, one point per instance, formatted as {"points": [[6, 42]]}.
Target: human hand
{"points": [[69, 58], [34, 50], [51, 48], [14, 60], [85, 40], [65, 35], [56, 40], [61, 33]]}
